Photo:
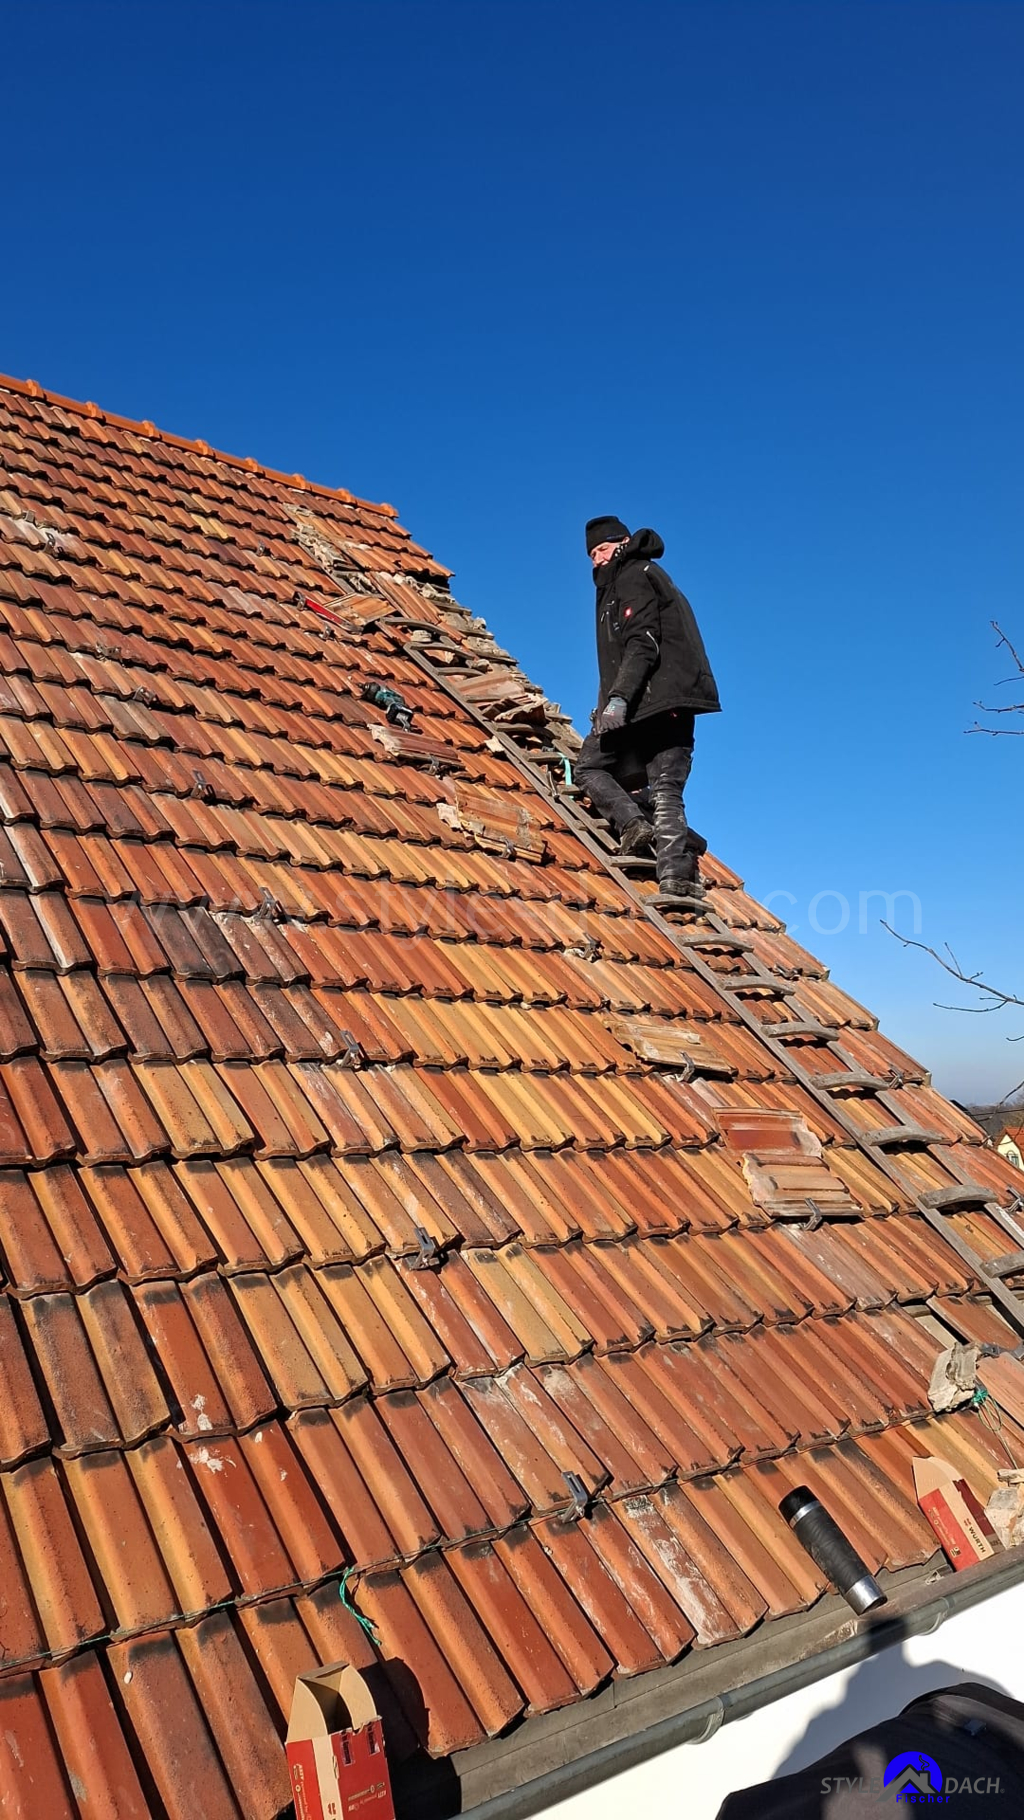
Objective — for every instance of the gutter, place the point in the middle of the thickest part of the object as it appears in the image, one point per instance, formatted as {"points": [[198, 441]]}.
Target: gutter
{"points": [[913, 1611]]}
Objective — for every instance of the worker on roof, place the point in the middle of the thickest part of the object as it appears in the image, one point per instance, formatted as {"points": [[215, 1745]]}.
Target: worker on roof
{"points": [[654, 679]]}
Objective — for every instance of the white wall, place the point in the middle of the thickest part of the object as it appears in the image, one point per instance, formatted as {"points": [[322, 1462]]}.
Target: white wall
{"points": [[982, 1644]]}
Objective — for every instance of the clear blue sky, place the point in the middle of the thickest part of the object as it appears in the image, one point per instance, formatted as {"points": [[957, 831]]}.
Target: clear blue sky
{"points": [[750, 273]]}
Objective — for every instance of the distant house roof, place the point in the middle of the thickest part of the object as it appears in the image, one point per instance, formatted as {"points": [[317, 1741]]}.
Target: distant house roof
{"points": [[403, 1232], [994, 1120]]}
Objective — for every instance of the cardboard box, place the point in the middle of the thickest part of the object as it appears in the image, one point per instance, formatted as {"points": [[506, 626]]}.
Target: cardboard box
{"points": [[954, 1513], [335, 1748]]}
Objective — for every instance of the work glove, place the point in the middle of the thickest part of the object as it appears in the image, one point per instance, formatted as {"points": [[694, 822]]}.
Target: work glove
{"points": [[613, 716]]}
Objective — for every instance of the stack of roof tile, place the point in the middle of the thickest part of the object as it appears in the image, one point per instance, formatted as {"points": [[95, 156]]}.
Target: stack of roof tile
{"points": [[375, 1230]]}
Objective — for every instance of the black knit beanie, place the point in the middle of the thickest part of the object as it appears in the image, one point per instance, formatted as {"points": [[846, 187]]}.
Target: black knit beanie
{"points": [[604, 530]]}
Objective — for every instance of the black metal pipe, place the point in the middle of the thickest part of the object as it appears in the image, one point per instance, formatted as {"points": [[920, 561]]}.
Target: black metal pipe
{"points": [[829, 1549]]}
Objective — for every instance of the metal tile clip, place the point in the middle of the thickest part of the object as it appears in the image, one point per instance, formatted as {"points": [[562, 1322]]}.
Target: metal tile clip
{"points": [[579, 1494], [270, 910], [428, 1256], [201, 787], [353, 1056], [816, 1218]]}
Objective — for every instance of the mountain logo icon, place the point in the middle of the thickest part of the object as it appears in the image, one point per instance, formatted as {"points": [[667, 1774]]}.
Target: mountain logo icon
{"points": [[913, 1769]]}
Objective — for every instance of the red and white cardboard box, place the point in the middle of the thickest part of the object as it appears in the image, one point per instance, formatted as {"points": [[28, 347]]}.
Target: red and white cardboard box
{"points": [[335, 1748], [955, 1514]]}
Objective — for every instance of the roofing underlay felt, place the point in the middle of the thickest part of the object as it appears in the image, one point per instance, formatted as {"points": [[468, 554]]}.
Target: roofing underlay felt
{"points": [[382, 1193]]}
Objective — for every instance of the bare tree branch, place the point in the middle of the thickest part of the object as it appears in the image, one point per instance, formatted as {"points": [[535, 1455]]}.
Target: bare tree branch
{"points": [[998, 999], [992, 998], [1016, 707], [1003, 640]]}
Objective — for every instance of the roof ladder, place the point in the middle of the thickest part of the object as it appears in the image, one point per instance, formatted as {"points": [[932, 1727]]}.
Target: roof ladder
{"points": [[711, 932], [934, 1205]]}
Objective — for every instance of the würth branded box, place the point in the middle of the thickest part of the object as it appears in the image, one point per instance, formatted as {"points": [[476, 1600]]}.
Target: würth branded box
{"points": [[954, 1513], [335, 1749]]}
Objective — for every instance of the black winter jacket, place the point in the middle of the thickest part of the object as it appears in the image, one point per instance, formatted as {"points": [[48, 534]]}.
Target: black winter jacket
{"points": [[649, 649]]}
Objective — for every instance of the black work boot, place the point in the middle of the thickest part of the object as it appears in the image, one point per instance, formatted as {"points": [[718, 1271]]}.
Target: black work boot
{"points": [[638, 837], [681, 887], [667, 772]]}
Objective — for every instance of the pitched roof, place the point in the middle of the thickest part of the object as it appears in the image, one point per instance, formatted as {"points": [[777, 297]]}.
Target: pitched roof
{"points": [[397, 1218]]}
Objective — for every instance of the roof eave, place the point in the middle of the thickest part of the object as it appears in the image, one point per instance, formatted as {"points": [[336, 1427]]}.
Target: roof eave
{"points": [[549, 1758]]}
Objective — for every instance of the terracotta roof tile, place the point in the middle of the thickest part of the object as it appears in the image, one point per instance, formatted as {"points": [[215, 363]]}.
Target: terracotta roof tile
{"points": [[54, 1569], [693, 1440], [141, 1248], [453, 1500], [661, 1544], [308, 1535], [609, 1316], [490, 1689], [166, 1716], [236, 1711], [977, 1322], [388, 1481], [92, 1744], [23, 1428], [73, 1380], [121, 1543], [514, 1626], [449, 1722], [280, 1315], [74, 1230], [240, 1516], [513, 1439], [29, 1761], [716, 1427], [341, 1231], [578, 1185], [602, 1416], [631, 1647]]}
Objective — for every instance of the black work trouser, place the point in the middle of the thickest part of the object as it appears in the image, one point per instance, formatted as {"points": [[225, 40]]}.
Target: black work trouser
{"points": [[656, 754]]}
